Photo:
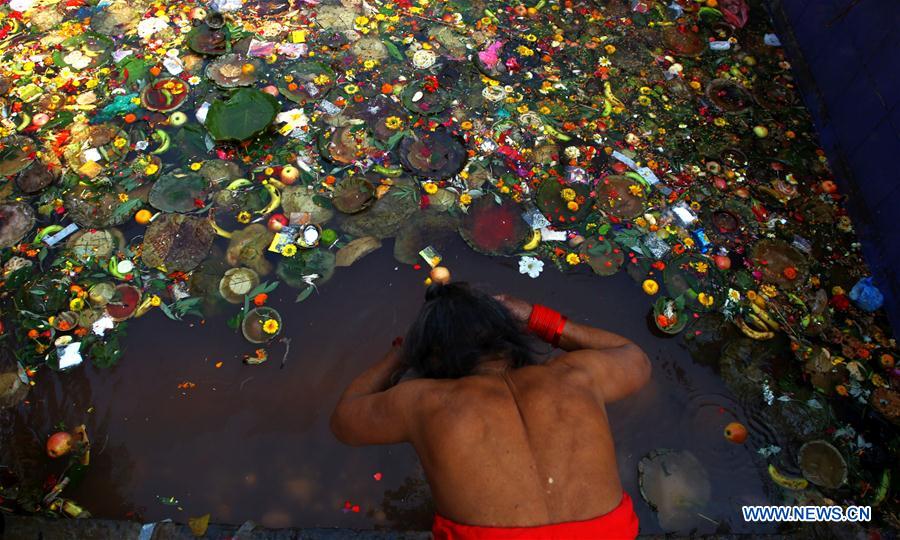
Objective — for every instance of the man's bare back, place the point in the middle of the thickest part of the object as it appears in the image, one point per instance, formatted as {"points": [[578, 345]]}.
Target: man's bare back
{"points": [[506, 447], [518, 448]]}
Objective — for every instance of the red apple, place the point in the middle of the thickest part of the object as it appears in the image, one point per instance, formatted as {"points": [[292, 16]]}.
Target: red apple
{"points": [[59, 444], [723, 262], [289, 174], [277, 222]]}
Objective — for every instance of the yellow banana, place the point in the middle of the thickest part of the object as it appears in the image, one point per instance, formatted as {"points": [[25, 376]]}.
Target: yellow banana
{"points": [[534, 241], [751, 333], [756, 322], [219, 230], [613, 100], [275, 199], [238, 184], [764, 315], [787, 482]]}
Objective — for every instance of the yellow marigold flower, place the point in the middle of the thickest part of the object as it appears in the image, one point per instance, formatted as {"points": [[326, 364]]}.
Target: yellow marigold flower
{"points": [[123, 197], [119, 142], [393, 122], [270, 326], [688, 242], [705, 299], [568, 194], [155, 300], [522, 109], [369, 64], [466, 125], [465, 199], [720, 122], [640, 222], [609, 49], [644, 100], [151, 169], [635, 190], [244, 217], [504, 189], [769, 290], [530, 37], [320, 80], [573, 259], [351, 89], [524, 51], [701, 267], [196, 166], [76, 304], [289, 250], [430, 188], [362, 20], [572, 205]]}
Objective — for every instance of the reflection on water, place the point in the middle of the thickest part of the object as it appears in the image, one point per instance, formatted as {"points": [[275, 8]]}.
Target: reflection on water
{"points": [[252, 442]]}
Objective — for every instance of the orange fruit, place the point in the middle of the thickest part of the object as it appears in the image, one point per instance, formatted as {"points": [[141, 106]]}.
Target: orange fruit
{"points": [[248, 68], [736, 432], [143, 216]]}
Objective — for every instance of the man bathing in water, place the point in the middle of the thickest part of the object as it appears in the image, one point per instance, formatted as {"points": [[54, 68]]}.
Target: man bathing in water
{"points": [[511, 448]]}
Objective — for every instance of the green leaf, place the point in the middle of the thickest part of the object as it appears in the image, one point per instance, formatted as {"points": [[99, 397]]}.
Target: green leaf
{"points": [[393, 50], [304, 294], [125, 209], [247, 112], [167, 311]]}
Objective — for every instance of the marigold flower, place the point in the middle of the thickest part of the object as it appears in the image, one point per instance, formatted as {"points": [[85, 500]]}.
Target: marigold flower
{"points": [[270, 326], [573, 258], [393, 122], [289, 250], [430, 188], [568, 194], [260, 299], [465, 199], [155, 300], [244, 217]]}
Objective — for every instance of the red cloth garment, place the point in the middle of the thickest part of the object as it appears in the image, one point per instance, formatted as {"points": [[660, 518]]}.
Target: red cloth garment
{"points": [[620, 523]]}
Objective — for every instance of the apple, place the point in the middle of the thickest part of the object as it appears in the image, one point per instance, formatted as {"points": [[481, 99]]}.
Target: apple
{"points": [[440, 274], [59, 444], [178, 118], [272, 90], [723, 262], [289, 174], [761, 131], [277, 222]]}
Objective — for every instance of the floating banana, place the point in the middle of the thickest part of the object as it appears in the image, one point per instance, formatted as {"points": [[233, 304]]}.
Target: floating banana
{"points": [[219, 230], [238, 184], [275, 199], [534, 241], [164, 141], [47, 231], [610, 97], [751, 333], [765, 316], [787, 482], [756, 322], [550, 130]]}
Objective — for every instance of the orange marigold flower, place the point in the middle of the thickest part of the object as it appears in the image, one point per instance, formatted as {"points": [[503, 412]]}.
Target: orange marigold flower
{"points": [[260, 299]]}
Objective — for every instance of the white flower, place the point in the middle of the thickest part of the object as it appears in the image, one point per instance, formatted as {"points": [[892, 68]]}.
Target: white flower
{"points": [[294, 121], [77, 59], [531, 266], [150, 27], [423, 59], [604, 62]]}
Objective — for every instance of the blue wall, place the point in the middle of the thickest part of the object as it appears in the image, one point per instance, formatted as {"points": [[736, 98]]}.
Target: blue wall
{"points": [[846, 56]]}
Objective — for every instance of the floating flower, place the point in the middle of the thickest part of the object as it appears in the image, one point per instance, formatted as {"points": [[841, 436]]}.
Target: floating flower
{"points": [[430, 188], [351, 89], [76, 304], [289, 250], [705, 300], [155, 300], [393, 122], [123, 197], [573, 259], [260, 299], [572, 206], [650, 286], [270, 326], [151, 169], [244, 217], [531, 266], [465, 199]]}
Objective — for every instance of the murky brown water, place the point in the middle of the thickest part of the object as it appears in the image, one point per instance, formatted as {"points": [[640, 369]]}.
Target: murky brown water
{"points": [[252, 442]]}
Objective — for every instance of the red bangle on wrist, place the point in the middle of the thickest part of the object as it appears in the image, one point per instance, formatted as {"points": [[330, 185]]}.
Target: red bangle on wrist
{"points": [[546, 324]]}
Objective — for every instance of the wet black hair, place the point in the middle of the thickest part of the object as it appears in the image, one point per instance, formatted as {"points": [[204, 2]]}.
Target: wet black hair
{"points": [[457, 328]]}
